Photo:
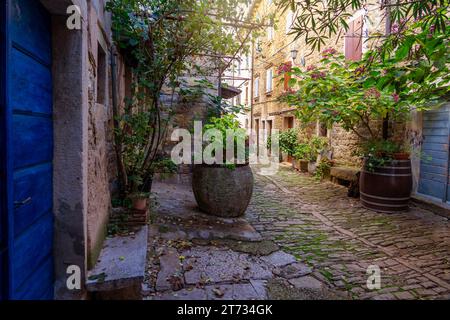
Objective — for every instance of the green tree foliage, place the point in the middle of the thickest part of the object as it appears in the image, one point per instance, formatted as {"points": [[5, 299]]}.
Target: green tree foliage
{"points": [[163, 40], [317, 21], [354, 93]]}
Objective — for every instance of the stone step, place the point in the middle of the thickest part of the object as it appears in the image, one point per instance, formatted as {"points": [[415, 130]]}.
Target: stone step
{"points": [[119, 271]]}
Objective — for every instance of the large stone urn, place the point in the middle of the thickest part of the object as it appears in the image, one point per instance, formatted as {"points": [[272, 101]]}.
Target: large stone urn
{"points": [[222, 191]]}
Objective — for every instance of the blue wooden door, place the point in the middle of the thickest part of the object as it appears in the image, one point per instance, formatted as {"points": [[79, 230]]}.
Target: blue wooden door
{"points": [[434, 169], [28, 152], [3, 213]]}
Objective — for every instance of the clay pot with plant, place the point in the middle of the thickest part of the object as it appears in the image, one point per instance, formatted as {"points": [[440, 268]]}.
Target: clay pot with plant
{"points": [[140, 200], [288, 141], [317, 145], [301, 157]]}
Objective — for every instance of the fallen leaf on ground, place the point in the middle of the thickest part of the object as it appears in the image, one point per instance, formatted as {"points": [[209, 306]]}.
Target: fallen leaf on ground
{"points": [[218, 292]]}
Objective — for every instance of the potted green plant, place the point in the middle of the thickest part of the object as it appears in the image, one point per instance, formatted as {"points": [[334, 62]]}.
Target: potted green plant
{"points": [[288, 141], [301, 157], [224, 189], [139, 200], [323, 169], [316, 146]]}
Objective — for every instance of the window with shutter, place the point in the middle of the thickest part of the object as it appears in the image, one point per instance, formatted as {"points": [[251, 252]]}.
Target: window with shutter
{"points": [[256, 88], [269, 80], [354, 39], [289, 21]]}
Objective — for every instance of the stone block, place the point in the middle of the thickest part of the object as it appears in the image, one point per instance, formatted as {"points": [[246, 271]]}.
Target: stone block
{"points": [[279, 259], [121, 266], [345, 173]]}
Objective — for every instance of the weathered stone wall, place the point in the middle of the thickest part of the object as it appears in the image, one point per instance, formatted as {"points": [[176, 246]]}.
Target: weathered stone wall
{"points": [[101, 156]]}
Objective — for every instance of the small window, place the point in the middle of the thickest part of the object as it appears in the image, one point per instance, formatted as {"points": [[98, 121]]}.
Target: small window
{"points": [[288, 123], [269, 80], [246, 95], [101, 75], [256, 88], [289, 21]]}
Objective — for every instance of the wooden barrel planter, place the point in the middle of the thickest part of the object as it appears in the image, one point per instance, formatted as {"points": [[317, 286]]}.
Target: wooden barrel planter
{"points": [[221, 191], [388, 188]]}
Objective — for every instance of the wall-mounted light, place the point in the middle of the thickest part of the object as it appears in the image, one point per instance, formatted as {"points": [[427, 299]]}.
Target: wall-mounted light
{"points": [[294, 53]]}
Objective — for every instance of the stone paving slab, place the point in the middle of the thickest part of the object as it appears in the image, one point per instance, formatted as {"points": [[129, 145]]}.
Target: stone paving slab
{"points": [[279, 259], [293, 270], [170, 268], [220, 265]]}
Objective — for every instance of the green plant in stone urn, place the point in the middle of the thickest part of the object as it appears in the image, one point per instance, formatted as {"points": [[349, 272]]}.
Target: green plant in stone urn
{"points": [[223, 185]]}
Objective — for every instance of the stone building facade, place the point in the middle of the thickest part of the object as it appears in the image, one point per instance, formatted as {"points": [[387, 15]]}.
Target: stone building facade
{"points": [[277, 46]]}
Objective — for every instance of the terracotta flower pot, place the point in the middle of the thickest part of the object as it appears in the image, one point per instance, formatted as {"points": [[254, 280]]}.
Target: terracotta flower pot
{"points": [[304, 165], [289, 158], [296, 164], [139, 203], [401, 156]]}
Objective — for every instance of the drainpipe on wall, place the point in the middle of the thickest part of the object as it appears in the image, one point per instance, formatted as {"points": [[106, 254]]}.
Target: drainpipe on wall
{"points": [[387, 33], [252, 75]]}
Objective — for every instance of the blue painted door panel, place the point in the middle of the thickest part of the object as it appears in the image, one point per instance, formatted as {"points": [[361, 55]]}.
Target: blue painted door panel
{"points": [[434, 166], [30, 152], [3, 163]]}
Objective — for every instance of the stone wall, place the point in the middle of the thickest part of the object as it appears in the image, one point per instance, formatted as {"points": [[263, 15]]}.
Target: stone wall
{"points": [[83, 157], [102, 165]]}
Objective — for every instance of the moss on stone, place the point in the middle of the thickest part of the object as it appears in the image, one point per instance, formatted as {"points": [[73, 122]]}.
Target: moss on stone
{"points": [[280, 289], [260, 248]]}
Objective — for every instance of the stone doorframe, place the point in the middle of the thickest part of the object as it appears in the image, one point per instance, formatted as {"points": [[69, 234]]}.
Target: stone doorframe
{"points": [[70, 109]]}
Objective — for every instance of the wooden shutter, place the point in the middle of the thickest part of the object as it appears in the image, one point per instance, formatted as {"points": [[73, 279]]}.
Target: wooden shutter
{"points": [[287, 78], [353, 40]]}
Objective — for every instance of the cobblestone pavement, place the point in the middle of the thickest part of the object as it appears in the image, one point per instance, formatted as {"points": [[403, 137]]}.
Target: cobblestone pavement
{"points": [[338, 238], [193, 256]]}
